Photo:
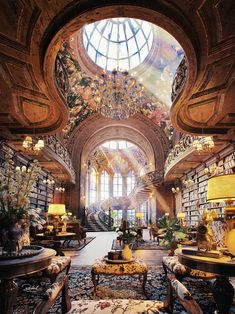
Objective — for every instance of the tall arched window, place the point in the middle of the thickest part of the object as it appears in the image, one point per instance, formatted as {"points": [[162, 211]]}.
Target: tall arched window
{"points": [[93, 186], [117, 184], [130, 182], [104, 185]]}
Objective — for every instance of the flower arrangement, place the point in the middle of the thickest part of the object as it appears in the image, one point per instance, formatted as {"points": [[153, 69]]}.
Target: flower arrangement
{"points": [[126, 235], [16, 184]]}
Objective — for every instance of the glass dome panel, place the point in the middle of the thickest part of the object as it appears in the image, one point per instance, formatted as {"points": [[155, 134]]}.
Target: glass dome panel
{"points": [[120, 43]]}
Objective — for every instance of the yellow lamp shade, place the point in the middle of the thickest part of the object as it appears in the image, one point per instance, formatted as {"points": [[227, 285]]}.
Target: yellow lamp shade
{"points": [[221, 188], [56, 209], [139, 215], [231, 241], [181, 215]]}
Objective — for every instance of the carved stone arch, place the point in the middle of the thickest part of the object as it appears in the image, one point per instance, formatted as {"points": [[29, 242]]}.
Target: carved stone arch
{"points": [[96, 129]]}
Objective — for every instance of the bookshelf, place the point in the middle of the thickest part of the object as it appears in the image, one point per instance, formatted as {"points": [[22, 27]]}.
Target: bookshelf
{"points": [[194, 198]]}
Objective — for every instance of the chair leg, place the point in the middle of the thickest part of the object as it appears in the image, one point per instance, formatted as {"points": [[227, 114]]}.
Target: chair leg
{"points": [[165, 269], [66, 302]]}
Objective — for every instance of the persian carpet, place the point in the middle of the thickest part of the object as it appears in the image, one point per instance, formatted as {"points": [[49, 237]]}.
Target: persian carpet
{"points": [[81, 288], [75, 246], [144, 245]]}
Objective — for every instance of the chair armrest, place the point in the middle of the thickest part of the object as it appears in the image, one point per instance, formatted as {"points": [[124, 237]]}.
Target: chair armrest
{"points": [[183, 295], [51, 295]]}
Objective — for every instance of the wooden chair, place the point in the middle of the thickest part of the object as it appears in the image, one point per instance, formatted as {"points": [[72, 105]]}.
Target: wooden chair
{"points": [[79, 230], [51, 294], [172, 265]]}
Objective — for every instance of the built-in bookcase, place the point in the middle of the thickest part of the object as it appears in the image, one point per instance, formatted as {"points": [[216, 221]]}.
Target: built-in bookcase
{"points": [[194, 197]]}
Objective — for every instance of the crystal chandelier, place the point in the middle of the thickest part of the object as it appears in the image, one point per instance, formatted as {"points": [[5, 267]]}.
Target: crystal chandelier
{"points": [[30, 146], [119, 95], [203, 143]]}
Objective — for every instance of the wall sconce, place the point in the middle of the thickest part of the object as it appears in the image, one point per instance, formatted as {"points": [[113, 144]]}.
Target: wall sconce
{"points": [[187, 182], [213, 170], [48, 182], [28, 145], [60, 189], [175, 190]]}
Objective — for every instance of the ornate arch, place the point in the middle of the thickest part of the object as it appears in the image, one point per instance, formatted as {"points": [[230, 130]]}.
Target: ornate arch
{"points": [[97, 129]]}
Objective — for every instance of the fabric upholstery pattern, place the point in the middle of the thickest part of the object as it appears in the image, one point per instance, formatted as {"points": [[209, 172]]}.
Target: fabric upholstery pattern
{"points": [[58, 264], [135, 267], [173, 264], [118, 306]]}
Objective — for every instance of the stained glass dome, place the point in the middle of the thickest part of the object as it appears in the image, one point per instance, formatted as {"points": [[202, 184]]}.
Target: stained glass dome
{"points": [[118, 43]]}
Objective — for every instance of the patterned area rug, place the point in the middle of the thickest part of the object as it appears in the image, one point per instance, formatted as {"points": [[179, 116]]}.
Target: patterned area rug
{"points": [[81, 287], [75, 246], [144, 245]]}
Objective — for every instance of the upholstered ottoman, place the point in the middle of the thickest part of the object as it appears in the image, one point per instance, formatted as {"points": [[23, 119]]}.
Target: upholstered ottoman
{"points": [[130, 306], [172, 264], [102, 267]]}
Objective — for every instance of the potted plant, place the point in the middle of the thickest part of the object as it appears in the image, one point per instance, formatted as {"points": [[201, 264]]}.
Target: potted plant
{"points": [[173, 232], [16, 184]]}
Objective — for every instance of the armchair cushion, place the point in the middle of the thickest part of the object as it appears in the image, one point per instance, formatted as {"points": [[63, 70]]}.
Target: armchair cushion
{"points": [[173, 265]]}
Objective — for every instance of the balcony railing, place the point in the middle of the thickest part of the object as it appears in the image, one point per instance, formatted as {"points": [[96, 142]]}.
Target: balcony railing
{"points": [[53, 143], [179, 150], [150, 178]]}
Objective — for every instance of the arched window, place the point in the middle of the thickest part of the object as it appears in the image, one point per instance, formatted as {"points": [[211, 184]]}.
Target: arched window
{"points": [[117, 184], [104, 185], [93, 186], [130, 182]]}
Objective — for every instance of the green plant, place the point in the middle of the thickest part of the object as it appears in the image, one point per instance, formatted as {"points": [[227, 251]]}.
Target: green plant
{"points": [[173, 232]]}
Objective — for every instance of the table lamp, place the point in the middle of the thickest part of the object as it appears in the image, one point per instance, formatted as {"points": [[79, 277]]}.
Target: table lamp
{"points": [[222, 189], [181, 217], [139, 216], [57, 210]]}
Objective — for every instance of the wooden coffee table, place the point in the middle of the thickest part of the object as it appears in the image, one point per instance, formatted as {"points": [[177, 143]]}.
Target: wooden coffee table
{"points": [[135, 267], [223, 268]]}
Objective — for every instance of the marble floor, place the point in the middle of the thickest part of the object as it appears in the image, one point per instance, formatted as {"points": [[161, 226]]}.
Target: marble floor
{"points": [[102, 243]]}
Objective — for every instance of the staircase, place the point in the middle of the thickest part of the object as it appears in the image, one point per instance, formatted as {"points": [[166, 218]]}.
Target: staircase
{"points": [[95, 224]]}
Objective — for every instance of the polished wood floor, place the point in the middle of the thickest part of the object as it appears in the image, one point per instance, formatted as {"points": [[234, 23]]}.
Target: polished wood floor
{"points": [[102, 244]]}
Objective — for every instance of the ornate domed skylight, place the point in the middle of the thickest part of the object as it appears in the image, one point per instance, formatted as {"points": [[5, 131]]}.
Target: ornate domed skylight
{"points": [[118, 43]]}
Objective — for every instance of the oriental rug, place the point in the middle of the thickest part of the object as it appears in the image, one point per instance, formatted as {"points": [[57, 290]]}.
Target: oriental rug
{"points": [[81, 288]]}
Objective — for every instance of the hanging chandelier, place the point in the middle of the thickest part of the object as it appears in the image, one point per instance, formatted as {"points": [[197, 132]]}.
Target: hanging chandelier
{"points": [[119, 95], [29, 145], [203, 143]]}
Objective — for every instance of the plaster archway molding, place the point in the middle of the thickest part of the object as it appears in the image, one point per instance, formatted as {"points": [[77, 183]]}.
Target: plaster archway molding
{"points": [[97, 129]]}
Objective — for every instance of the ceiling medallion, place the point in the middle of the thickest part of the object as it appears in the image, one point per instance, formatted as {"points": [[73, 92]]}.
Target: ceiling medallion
{"points": [[119, 96]]}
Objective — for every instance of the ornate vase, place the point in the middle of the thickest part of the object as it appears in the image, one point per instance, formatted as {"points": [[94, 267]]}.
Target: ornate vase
{"points": [[126, 253], [11, 234]]}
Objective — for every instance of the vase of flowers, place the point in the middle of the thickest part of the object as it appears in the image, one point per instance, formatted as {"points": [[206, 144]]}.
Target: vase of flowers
{"points": [[126, 236], [16, 184]]}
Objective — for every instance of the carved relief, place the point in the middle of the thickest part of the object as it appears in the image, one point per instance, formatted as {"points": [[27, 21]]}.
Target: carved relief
{"points": [[179, 79], [61, 77]]}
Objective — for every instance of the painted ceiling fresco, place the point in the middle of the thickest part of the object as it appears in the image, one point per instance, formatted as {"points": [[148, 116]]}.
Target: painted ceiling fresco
{"points": [[157, 80]]}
